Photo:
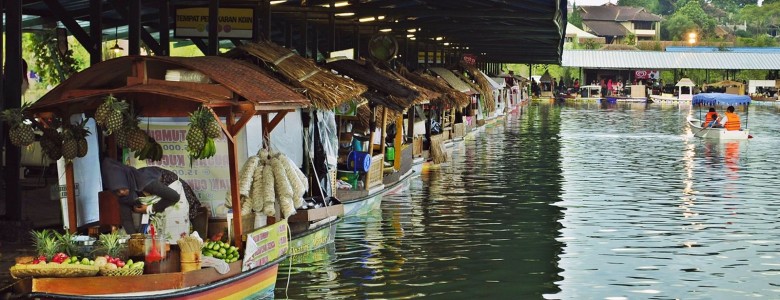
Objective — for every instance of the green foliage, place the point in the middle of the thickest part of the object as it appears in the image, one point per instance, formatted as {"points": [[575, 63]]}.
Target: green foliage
{"points": [[695, 13], [649, 5], [590, 44], [576, 17], [49, 62], [758, 41], [742, 33], [676, 27], [630, 39]]}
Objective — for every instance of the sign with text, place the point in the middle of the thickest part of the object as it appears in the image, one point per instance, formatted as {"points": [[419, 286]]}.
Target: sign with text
{"points": [[234, 23], [470, 59], [265, 245], [209, 178], [646, 74]]}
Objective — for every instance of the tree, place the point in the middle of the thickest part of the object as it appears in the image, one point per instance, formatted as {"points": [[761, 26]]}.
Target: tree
{"points": [[649, 5], [575, 18], [676, 27]]}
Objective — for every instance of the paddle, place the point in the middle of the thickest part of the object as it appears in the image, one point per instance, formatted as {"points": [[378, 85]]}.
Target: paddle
{"points": [[704, 127]]}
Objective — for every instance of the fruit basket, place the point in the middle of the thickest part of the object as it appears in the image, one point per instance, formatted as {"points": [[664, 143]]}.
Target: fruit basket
{"points": [[122, 272], [52, 270]]}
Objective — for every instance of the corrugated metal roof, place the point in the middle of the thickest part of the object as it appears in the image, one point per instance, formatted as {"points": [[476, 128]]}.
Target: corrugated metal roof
{"points": [[594, 59]]}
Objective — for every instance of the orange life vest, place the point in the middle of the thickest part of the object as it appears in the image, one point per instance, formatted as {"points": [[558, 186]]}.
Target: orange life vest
{"points": [[733, 121], [709, 117]]}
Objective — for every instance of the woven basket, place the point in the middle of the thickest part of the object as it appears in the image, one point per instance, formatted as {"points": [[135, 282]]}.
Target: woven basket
{"points": [[122, 272], [52, 270]]}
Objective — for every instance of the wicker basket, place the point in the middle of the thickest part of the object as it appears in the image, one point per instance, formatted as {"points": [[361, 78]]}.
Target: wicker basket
{"points": [[122, 272], [52, 270]]}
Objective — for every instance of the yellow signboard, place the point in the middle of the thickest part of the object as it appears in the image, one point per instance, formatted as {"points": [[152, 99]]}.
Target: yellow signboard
{"points": [[209, 178], [234, 23], [265, 245]]}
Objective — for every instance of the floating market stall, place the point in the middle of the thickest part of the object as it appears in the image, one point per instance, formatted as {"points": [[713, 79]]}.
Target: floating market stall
{"points": [[725, 86], [224, 92], [378, 159], [472, 115]]}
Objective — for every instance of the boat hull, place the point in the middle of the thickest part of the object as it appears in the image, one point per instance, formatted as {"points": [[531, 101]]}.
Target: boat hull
{"points": [[717, 133], [314, 239]]}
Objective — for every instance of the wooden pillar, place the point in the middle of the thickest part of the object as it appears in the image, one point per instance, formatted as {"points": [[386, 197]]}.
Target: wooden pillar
{"points": [[399, 139], [332, 27], [165, 30], [134, 33], [305, 35], [213, 45], [263, 21], [13, 99], [70, 183], [95, 31], [410, 123], [235, 195], [356, 41], [384, 131]]}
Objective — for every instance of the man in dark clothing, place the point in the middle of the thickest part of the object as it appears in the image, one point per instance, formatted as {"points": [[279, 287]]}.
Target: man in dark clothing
{"points": [[127, 183]]}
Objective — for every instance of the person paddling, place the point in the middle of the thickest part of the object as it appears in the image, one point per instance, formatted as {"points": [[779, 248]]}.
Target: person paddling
{"points": [[713, 123], [731, 121]]}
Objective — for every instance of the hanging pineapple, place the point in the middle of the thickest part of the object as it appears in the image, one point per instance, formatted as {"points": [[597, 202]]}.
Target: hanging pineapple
{"points": [[110, 115], [200, 136], [20, 133], [80, 133], [70, 147], [51, 143]]}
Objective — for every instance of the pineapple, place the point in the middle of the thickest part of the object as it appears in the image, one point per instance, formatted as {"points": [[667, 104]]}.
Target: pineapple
{"points": [[67, 244], [70, 149], [46, 244], [109, 244], [51, 143], [21, 134], [102, 112], [209, 124], [80, 134], [111, 114], [137, 139], [195, 140], [122, 137]]}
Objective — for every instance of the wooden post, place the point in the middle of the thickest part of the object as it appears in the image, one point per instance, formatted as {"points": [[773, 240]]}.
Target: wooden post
{"points": [[384, 132], [234, 188], [95, 31], [70, 183], [213, 45], [134, 34], [399, 139], [165, 34]]}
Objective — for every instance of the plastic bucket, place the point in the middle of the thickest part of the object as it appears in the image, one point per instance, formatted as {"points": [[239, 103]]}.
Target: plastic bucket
{"points": [[190, 261], [390, 153], [359, 161], [350, 177]]}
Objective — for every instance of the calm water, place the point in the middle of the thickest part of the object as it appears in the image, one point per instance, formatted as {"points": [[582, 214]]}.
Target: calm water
{"points": [[570, 202]]}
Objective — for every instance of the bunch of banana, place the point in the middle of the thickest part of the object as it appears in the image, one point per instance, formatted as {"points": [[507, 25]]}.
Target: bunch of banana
{"points": [[152, 151], [209, 149]]}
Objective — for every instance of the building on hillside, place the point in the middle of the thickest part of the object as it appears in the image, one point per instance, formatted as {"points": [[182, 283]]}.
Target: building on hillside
{"points": [[576, 35], [615, 23]]}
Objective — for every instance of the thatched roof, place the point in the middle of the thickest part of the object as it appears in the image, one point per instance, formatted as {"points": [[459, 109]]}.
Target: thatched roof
{"points": [[400, 95], [447, 95], [454, 81], [141, 79], [325, 89]]}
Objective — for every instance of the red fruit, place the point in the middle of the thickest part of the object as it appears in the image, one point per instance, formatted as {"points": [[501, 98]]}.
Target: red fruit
{"points": [[120, 264], [36, 261], [42, 258]]}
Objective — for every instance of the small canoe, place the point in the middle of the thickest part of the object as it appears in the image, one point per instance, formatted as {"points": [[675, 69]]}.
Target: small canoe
{"points": [[717, 133]]}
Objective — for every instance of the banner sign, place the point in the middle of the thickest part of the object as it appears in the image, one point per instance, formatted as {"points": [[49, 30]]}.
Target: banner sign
{"points": [[647, 74], [347, 108], [470, 59], [209, 178], [234, 23], [265, 245]]}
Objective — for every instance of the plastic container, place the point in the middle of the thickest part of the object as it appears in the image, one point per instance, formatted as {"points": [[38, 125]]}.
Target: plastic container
{"points": [[350, 177], [390, 153], [190, 261], [359, 161]]}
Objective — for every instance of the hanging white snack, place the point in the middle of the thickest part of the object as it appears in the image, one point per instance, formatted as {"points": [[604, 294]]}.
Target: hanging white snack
{"points": [[269, 196], [263, 154], [295, 182], [284, 191], [302, 177], [246, 206], [247, 175], [257, 194]]}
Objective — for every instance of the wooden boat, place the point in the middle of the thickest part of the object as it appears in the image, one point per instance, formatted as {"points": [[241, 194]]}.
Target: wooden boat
{"points": [[611, 99], [254, 277], [235, 95], [361, 202], [718, 99]]}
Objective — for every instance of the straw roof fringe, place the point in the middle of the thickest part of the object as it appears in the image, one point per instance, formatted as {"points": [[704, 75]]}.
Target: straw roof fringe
{"points": [[111, 76], [447, 95], [485, 88], [364, 117], [325, 89], [426, 94], [402, 96]]}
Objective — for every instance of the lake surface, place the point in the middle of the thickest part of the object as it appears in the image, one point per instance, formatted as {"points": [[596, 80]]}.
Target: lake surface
{"points": [[574, 201]]}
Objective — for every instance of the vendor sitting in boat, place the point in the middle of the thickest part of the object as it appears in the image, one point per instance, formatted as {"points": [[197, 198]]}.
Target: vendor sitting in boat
{"points": [[731, 121], [128, 183]]}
